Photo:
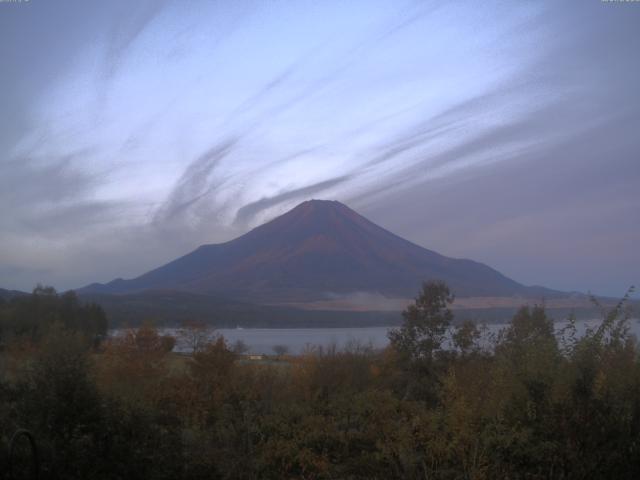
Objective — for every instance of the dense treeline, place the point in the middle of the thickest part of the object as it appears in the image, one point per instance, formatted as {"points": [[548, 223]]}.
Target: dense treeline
{"points": [[33, 315], [440, 402]]}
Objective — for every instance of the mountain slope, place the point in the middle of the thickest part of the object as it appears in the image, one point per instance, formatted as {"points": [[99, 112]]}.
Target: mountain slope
{"points": [[319, 248], [9, 294]]}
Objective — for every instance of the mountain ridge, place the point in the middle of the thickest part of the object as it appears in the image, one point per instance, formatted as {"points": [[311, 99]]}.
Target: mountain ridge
{"points": [[320, 247]]}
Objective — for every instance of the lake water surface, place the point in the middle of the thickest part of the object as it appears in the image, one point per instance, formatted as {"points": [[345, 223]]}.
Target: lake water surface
{"points": [[263, 340]]}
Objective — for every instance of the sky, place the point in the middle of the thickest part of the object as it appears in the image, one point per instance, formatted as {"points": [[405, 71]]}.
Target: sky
{"points": [[505, 132]]}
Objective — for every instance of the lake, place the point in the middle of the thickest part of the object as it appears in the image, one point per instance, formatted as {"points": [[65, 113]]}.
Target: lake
{"points": [[262, 340]]}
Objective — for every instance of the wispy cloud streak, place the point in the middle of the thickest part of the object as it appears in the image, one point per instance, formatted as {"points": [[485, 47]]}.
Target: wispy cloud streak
{"points": [[251, 210]]}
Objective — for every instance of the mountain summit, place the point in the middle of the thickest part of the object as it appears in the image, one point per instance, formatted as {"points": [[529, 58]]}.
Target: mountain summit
{"points": [[316, 250]]}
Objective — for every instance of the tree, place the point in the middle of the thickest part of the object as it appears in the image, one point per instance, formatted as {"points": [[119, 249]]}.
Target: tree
{"points": [[147, 340], [195, 336], [59, 400], [212, 370], [133, 361], [418, 342], [426, 323], [280, 350], [240, 347], [33, 315], [466, 338]]}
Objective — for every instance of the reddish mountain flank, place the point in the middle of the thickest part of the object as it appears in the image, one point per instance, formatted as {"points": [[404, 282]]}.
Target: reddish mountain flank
{"points": [[315, 251]]}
